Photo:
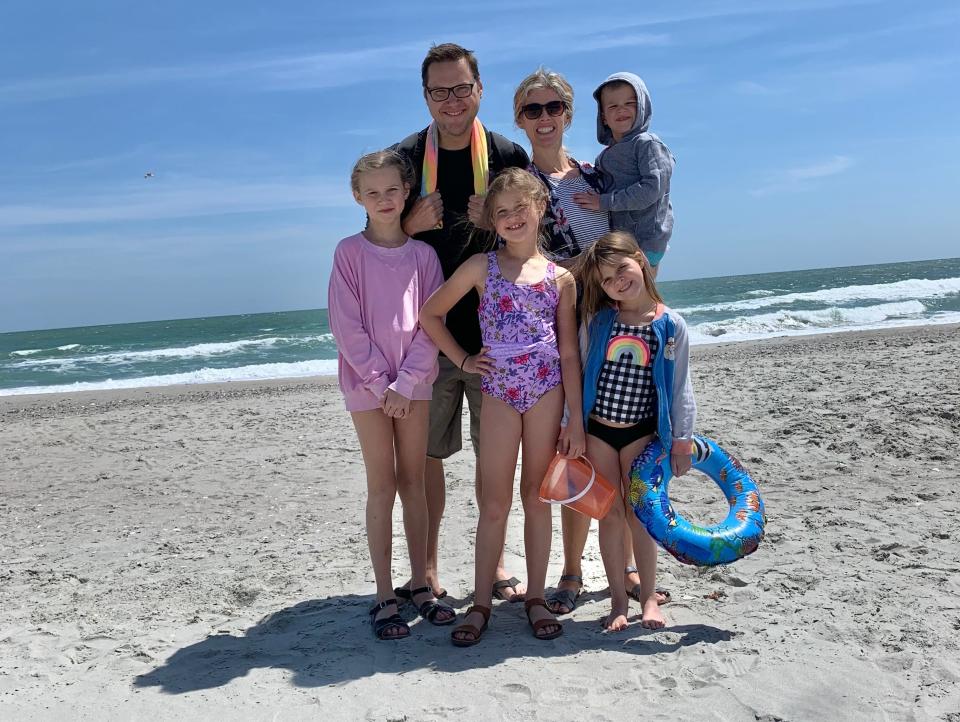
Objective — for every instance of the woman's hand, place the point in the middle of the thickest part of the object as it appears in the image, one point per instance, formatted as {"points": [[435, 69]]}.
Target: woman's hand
{"points": [[395, 405], [426, 214], [478, 363], [589, 201]]}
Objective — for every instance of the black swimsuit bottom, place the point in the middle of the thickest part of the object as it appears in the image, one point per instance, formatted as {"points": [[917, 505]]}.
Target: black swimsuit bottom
{"points": [[619, 437]]}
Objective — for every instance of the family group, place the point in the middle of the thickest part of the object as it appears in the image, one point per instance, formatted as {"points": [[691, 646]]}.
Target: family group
{"points": [[534, 278]]}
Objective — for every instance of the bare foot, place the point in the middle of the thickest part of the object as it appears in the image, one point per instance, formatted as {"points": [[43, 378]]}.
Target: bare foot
{"points": [[652, 616], [616, 620]]}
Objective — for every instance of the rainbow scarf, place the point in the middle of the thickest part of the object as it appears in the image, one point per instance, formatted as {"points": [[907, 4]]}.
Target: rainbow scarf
{"points": [[478, 155]]}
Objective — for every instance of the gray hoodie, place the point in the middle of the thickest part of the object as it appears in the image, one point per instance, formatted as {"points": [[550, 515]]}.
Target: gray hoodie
{"points": [[638, 169]]}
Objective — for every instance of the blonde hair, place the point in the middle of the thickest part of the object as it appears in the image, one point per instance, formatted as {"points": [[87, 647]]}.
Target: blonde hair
{"points": [[608, 248], [528, 186], [378, 160], [548, 80]]}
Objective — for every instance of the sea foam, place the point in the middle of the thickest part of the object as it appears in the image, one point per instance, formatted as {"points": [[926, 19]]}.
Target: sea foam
{"points": [[256, 372]]}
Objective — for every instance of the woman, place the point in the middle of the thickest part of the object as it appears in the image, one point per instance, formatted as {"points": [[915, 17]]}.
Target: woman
{"points": [[543, 109]]}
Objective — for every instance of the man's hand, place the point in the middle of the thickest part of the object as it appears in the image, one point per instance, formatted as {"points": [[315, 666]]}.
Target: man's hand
{"points": [[588, 201], [395, 406], [426, 214], [475, 212]]}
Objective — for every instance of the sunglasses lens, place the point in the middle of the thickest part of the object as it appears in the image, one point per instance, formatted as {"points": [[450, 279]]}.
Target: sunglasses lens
{"points": [[532, 111], [554, 107]]}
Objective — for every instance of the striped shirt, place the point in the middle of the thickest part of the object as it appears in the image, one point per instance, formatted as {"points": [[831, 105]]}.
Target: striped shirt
{"points": [[587, 226]]}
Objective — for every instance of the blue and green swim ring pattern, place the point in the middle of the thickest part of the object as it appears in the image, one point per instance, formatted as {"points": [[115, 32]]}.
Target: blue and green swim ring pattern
{"points": [[735, 537]]}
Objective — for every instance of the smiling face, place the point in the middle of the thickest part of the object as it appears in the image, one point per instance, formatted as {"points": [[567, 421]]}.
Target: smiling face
{"points": [[382, 194], [618, 104], [622, 280], [547, 130], [516, 216], [454, 116]]}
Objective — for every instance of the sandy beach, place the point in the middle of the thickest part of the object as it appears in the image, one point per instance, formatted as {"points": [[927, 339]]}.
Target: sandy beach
{"points": [[198, 552]]}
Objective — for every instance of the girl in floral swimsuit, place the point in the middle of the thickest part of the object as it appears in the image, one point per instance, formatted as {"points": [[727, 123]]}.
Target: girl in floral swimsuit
{"points": [[529, 362]]}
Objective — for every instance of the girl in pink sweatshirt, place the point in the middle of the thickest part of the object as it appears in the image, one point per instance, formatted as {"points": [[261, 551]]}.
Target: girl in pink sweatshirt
{"points": [[387, 366]]}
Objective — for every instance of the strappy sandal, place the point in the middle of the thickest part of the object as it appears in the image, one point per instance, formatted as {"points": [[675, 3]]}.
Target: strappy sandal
{"points": [[404, 593], [566, 597], [470, 629], [430, 609], [510, 583], [382, 626], [634, 592], [541, 623]]}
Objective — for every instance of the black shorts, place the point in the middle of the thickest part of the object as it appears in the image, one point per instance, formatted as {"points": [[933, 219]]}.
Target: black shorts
{"points": [[619, 437]]}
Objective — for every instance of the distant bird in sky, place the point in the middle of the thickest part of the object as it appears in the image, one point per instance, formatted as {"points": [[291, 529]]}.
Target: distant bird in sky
{"points": [[148, 174]]}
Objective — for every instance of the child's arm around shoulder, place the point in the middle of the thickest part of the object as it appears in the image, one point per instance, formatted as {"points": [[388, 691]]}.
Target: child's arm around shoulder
{"points": [[572, 442], [345, 315], [655, 167]]}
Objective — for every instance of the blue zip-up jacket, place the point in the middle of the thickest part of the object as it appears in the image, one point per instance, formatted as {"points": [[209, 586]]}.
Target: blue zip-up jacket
{"points": [[641, 167], [676, 408]]}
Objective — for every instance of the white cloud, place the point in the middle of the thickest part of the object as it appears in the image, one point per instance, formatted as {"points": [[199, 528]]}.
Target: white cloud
{"points": [[165, 198], [800, 178]]}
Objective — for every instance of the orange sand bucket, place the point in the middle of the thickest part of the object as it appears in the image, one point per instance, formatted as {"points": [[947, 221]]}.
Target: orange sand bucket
{"points": [[577, 484]]}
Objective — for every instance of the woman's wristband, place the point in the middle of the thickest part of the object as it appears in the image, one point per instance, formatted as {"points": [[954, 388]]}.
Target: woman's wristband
{"points": [[465, 360]]}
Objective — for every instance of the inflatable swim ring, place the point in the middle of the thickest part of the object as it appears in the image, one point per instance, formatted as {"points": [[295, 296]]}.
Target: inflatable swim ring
{"points": [[733, 538]]}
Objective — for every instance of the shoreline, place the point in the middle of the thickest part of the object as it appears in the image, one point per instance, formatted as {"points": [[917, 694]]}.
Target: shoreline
{"points": [[173, 392]]}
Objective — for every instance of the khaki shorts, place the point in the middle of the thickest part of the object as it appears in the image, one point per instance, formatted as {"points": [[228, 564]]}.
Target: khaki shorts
{"points": [[446, 410]]}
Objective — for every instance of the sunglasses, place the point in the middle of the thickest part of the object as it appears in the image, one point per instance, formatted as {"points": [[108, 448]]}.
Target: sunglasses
{"points": [[532, 111]]}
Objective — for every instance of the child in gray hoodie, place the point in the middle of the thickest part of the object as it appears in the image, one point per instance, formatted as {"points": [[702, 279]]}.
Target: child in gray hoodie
{"points": [[636, 164]]}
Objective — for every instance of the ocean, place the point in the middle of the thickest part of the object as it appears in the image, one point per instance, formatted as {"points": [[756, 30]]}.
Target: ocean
{"points": [[299, 343]]}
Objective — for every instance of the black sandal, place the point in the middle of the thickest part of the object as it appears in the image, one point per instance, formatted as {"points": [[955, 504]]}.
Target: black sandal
{"points": [[430, 609], [382, 626], [566, 597], [634, 591], [511, 583]]}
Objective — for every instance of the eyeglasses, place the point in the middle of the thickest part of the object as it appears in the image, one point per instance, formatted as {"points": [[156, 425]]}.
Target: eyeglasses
{"points": [[532, 111], [460, 91]]}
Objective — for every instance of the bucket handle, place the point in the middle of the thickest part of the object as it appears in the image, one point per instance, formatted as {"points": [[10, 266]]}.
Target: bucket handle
{"points": [[586, 489]]}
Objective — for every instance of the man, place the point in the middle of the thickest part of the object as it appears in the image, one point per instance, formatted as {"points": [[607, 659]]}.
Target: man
{"points": [[446, 216]]}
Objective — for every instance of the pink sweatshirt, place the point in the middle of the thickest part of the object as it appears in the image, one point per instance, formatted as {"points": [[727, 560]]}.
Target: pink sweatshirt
{"points": [[374, 306]]}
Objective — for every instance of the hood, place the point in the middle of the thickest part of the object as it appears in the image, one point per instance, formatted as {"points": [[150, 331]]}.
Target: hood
{"points": [[644, 107]]}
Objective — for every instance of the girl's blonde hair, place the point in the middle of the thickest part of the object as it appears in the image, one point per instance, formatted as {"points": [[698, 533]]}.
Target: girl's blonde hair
{"points": [[548, 80], [378, 160], [527, 185], [608, 248]]}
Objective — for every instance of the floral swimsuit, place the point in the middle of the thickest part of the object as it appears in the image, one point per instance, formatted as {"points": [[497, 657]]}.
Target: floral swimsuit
{"points": [[518, 323]]}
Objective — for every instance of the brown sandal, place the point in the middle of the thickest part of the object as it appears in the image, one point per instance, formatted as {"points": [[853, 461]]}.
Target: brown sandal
{"points": [[470, 629], [541, 623]]}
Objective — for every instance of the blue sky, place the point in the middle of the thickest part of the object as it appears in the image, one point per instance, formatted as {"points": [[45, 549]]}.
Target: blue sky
{"points": [[807, 134]]}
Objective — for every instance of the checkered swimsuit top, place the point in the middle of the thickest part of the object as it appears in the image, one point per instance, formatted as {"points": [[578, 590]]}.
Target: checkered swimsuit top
{"points": [[518, 323], [626, 393]]}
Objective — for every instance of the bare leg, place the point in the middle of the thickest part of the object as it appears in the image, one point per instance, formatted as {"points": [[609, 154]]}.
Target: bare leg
{"points": [[607, 463], [375, 432], [541, 427], [435, 485], [500, 432], [518, 590], [575, 527], [410, 435], [644, 547]]}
